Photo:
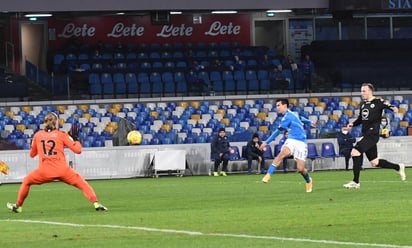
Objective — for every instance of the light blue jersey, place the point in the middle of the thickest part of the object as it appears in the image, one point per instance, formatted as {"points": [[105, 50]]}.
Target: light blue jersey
{"points": [[292, 123]]}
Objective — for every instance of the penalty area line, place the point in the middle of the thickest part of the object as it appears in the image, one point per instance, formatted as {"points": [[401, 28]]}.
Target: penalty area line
{"points": [[193, 233]]}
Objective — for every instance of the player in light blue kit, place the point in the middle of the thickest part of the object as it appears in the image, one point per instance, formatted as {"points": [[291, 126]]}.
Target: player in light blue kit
{"points": [[295, 144]]}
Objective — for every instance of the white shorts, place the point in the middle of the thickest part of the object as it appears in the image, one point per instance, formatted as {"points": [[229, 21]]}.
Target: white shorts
{"points": [[298, 149]]}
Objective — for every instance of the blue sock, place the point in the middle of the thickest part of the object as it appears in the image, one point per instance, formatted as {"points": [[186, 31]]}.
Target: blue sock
{"points": [[306, 177], [272, 169]]}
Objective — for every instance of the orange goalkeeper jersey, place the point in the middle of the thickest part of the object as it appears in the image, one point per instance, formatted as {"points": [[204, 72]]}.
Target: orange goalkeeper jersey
{"points": [[49, 146]]}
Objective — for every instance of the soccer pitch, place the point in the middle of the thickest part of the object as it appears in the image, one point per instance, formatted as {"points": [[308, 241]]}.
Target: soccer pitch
{"points": [[200, 211]]}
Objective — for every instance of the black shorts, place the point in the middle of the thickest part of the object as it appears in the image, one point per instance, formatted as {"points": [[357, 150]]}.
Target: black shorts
{"points": [[367, 145]]}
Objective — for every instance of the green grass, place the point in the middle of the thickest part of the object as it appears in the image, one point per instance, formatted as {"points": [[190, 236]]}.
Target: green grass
{"points": [[234, 211]]}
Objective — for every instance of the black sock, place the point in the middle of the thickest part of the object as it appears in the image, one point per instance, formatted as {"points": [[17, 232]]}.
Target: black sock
{"points": [[216, 166], [357, 165], [388, 165], [224, 167]]}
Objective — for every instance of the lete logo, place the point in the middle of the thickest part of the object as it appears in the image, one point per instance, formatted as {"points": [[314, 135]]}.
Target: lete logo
{"points": [[70, 30], [217, 28]]}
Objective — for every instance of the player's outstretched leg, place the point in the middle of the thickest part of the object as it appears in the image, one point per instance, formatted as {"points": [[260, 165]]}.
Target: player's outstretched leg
{"points": [[268, 176], [99, 207], [14, 208], [401, 172]]}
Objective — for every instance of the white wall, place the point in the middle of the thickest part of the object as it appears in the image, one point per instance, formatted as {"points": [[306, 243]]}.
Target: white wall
{"points": [[134, 161]]}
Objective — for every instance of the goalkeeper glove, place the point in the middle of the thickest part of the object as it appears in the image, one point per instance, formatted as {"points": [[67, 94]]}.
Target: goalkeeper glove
{"points": [[4, 168], [74, 132]]}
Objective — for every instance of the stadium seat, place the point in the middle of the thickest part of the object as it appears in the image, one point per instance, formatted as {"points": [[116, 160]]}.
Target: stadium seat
{"points": [[267, 152], [312, 154], [234, 154], [328, 151]]}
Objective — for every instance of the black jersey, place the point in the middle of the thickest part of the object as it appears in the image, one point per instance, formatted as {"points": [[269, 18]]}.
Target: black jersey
{"points": [[371, 114]]}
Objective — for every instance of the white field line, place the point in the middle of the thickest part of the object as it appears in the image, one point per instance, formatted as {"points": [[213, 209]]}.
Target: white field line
{"points": [[245, 236]]}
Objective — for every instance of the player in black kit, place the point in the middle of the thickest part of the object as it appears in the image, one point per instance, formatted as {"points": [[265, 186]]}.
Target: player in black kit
{"points": [[370, 119]]}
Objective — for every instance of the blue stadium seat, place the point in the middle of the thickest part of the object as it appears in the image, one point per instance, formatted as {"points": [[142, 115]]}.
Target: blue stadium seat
{"points": [[312, 154], [264, 85], [234, 154], [250, 75], [253, 85], [181, 64], [239, 75], [131, 55], [131, 81], [262, 75], [215, 76], [58, 58], [169, 83], [241, 86], [107, 83], [230, 86], [227, 75], [95, 87], [120, 83], [204, 75]]}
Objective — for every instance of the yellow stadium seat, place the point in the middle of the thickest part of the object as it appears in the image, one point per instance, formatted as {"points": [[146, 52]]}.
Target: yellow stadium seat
{"points": [[21, 127], [334, 117], [83, 107], [61, 122], [264, 129], [314, 100], [321, 104], [166, 127], [404, 124], [114, 111], [293, 101], [9, 114], [117, 106], [345, 99], [239, 103], [154, 114], [221, 111], [195, 117], [109, 129], [402, 110], [226, 121], [195, 104], [61, 108], [261, 115], [348, 112], [87, 116], [354, 104], [26, 109], [183, 104]]}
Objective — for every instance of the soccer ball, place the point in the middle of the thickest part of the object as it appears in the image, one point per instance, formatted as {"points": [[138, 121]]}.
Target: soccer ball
{"points": [[134, 137], [385, 133]]}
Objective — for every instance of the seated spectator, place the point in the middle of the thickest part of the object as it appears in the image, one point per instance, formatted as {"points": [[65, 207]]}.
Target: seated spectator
{"points": [[236, 54], [345, 142], [385, 128], [189, 53], [220, 148], [264, 60], [194, 65], [196, 84], [216, 64], [96, 54], [278, 79], [254, 153]]}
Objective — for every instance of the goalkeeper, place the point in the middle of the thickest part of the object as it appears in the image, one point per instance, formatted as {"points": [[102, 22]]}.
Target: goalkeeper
{"points": [[49, 145]]}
